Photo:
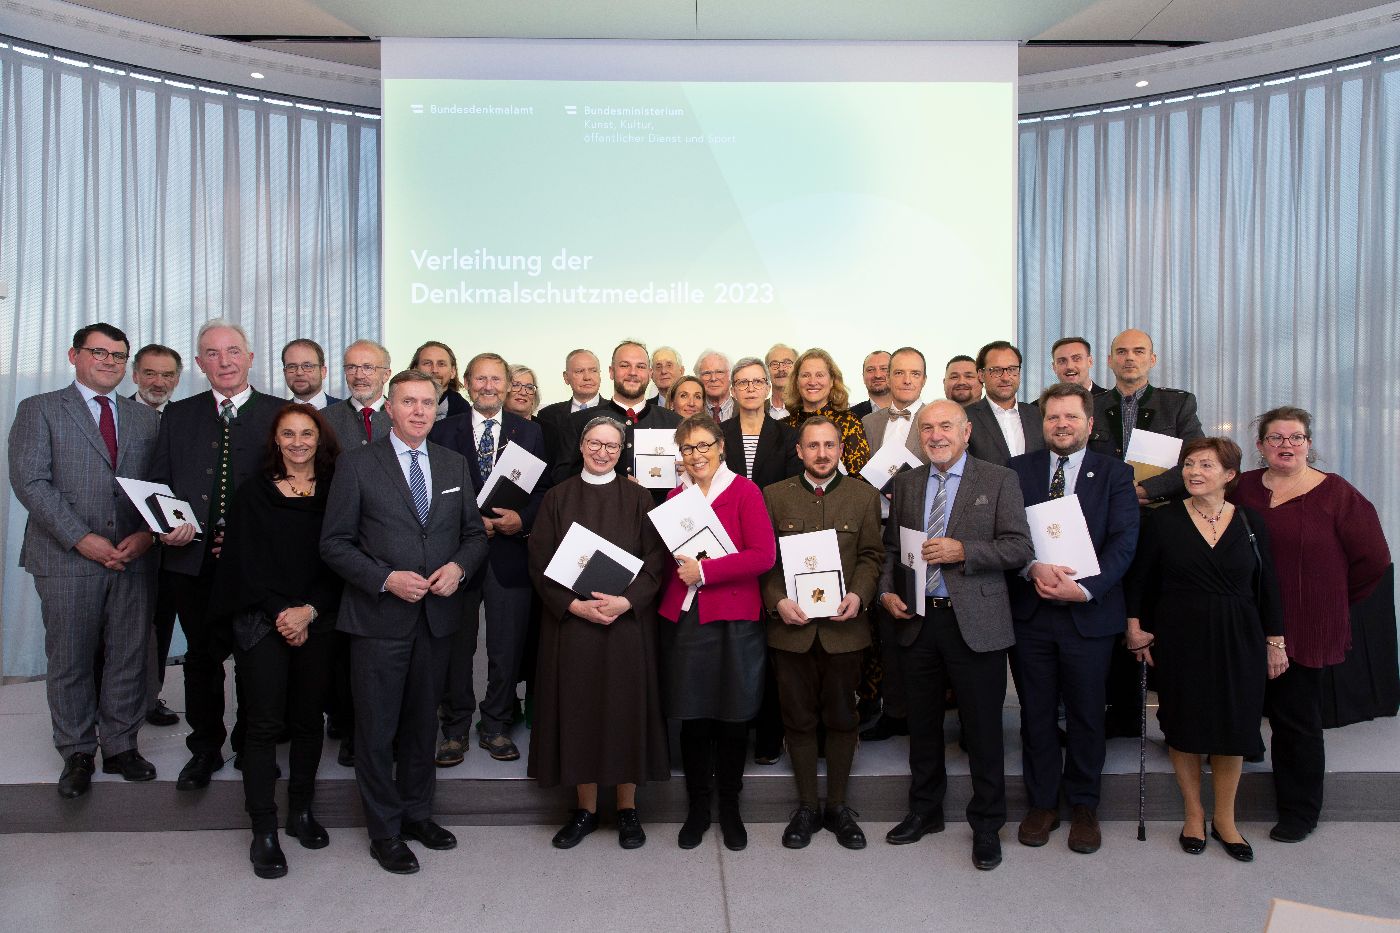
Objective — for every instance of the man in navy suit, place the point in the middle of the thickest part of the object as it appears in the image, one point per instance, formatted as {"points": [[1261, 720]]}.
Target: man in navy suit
{"points": [[502, 583], [1066, 629]]}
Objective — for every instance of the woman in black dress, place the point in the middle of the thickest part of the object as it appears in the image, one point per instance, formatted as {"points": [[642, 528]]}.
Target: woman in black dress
{"points": [[1201, 600], [281, 602]]}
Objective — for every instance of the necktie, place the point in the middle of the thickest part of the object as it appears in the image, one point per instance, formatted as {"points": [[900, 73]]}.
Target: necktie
{"points": [[226, 411], [716, 410], [418, 487], [937, 521], [897, 415], [486, 450], [1057, 482], [631, 416], [819, 492], [367, 414], [107, 426]]}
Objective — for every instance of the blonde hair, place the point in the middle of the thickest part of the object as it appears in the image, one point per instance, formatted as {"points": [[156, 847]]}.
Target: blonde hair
{"points": [[838, 399]]}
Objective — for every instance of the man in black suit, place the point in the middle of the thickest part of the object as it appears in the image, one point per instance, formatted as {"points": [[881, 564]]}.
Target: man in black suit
{"points": [[402, 530], [629, 372], [583, 377], [1066, 629], [503, 583], [666, 368], [1072, 359], [960, 382], [304, 368], [875, 372], [1002, 427], [207, 446]]}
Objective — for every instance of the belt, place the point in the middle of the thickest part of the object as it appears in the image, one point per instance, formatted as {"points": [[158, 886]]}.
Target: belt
{"points": [[938, 602]]}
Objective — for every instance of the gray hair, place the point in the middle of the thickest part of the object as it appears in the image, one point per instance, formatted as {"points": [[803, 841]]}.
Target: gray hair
{"points": [[706, 355], [607, 420], [680, 363], [365, 342], [745, 363], [217, 322]]}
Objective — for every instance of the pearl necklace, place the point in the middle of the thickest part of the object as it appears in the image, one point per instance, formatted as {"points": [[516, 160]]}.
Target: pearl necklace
{"points": [[1214, 532]]}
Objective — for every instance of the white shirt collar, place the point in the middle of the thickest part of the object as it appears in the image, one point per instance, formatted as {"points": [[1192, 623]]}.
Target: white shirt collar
{"points": [[576, 405], [317, 401], [400, 448], [593, 479], [479, 420], [376, 405], [90, 394], [238, 400]]}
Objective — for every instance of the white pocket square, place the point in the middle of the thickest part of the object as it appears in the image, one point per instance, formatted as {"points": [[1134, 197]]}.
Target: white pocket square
{"points": [[453, 489]]}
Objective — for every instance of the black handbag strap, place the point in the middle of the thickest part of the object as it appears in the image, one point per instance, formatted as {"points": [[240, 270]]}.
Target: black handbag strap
{"points": [[1258, 575]]}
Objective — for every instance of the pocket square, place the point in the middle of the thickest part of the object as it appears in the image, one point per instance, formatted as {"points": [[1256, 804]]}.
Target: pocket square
{"points": [[980, 500], [453, 489]]}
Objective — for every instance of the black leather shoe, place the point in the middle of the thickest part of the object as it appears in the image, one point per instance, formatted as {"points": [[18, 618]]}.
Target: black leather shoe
{"points": [[266, 856], [1239, 851], [1286, 832], [394, 855], [161, 715], [1191, 845], [766, 754], [842, 822], [130, 765], [580, 824], [986, 850], [346, 755], [499, 746], [629, 829], [198, 770], [914, 827], [731, 826], [697, 823], [429, 833], [888, 727], [800, 827], [77, 775], [302, 827]]}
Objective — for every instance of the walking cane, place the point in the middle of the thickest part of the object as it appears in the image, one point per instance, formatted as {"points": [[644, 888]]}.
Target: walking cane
{"points": [[1142, 751]]}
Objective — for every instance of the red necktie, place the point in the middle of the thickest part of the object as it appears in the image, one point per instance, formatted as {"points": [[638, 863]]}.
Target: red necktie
{"points": [[631, 416], [107, 425], [368, 413], [819, 491], [715, 409]]}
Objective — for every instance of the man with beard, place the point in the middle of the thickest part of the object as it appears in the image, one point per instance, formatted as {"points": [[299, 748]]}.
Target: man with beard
{"points": [[1002, 427], [361, 418], [629, 371], [780, 360], [436, 359], [1072, 359], [960, 382], [818, 661], [304, 368], [875, 373], [156, 371], [666, 368], [502, 583], [1066, 628]]}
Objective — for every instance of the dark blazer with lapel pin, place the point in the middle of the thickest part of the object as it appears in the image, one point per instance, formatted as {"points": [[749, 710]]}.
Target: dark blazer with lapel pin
{"points": [[349, 424], [988, 443], [1164, 411], [776, 456], [989, 519], [509, 554], [372, 529], [1106, 496]]}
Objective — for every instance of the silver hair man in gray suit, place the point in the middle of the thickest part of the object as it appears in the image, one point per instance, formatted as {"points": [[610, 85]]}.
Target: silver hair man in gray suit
{"points": [[974, 521], [366, 366], [87, 547]]}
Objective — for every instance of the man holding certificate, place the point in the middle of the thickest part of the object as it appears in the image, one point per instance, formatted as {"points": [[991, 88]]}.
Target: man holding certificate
{"points": [[974, 529], [1069, 611], [816, 599]]}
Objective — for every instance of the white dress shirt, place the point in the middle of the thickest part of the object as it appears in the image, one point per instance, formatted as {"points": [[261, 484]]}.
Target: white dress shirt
{"points": [[238, 400], [317, 401], [576, 405], [897, 429], [1009, 420], [479, 431], [405, 461]]}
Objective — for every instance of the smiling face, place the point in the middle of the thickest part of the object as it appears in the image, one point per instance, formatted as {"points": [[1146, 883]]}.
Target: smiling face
{"points": [[1203, 473], [1072, 363], [1066, 425], [701, 465], [1288, 458], [630, 371], [366, 371], [944, 432], [412, 407], [960, 382], [486, 386], [780, 362], [1001, 376], [819, 449], [102, 376], [297, 439], [224, 358], [523, 394], [814, 383], [690, 397], [601, 446], [435, 362], [156, 375], [876, 374], [713, 371]]}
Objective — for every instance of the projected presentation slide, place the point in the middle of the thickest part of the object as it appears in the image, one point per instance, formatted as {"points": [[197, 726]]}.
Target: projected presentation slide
{"points": [[528, 217]]}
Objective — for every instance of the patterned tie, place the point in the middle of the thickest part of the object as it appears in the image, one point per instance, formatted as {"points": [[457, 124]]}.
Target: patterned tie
{"points": [[1130, 406], [631, 416], [486, 450], [1057, 482], [716, 409], [367, 414], [418, 487], [107, 426], [897, 415], [226, 410], [937, 521]]}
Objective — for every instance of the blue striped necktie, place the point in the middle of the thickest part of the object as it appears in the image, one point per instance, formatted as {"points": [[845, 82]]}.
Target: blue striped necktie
{"points": [[937, 522], [418, 487]]}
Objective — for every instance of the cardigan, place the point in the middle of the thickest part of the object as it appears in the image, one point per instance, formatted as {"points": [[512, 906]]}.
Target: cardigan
{"points": [[730, 592]]}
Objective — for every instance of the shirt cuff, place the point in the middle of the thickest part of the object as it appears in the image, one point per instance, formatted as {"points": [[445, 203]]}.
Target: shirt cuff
{"points": [[1088, 597], [700, 564]]}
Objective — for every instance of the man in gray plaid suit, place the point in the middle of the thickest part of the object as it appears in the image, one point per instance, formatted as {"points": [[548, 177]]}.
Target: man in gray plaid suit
{"points": [[86, 546]]}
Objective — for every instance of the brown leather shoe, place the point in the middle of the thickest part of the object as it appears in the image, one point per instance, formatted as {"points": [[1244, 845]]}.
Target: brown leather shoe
{"points": [[1036, 827], [1084, 830]]}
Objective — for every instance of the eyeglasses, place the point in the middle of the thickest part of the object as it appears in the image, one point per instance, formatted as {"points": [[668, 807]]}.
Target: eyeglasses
{"points": [[524, 387], [593, 447], [1293, 440], [781, 364], [996, 372], [750, 383], [101, 355], [369, 369], [301, 368], [703, 447]]}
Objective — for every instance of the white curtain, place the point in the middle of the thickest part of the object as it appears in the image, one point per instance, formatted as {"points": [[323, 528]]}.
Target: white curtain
{"points": [[155, 205], [1254, 232]]}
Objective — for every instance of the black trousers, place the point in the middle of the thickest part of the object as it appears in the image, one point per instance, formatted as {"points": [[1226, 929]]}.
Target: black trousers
{"points": [[208, 648], [1293, 703], [940, 657], [283, 687]]}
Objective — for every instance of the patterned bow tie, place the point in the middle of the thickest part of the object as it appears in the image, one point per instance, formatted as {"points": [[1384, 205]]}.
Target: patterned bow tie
{"points": [[897, 415]]}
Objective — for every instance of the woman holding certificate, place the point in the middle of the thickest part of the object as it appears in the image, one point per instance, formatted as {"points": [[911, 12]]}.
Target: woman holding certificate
{"points": [[715, 649], [597, 704], [1202, 602]]}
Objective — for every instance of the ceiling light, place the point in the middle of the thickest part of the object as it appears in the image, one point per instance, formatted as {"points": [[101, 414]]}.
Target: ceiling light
{"points": [[1139, 84], [259, 76]]}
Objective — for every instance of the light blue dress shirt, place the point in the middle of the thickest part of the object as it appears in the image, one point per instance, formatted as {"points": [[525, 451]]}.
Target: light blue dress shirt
{"points": [[950, 491]]}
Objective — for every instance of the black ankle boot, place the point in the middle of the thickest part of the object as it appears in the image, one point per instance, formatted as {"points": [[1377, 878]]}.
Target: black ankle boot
{"points": [[266, 855], [731, 825], [697, 821]]}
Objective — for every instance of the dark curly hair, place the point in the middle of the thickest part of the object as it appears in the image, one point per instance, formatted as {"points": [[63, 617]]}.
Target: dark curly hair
{"points": [[327, 447]]}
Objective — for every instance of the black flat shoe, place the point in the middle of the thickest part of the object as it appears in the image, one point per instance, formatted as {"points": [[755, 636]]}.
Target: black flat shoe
{"points": [[1191, 845], [914, 827], [394, 855], [697, 823], [429, 834], [767, 754], [1239, 851], [800, 827], [77, 775], [986, 850], [731, 827], [629, 829], [266, 856], [841, 821], [580, 824], [302, 827], [162, 715], [198, 770], [130, 765], [1289, 832]]}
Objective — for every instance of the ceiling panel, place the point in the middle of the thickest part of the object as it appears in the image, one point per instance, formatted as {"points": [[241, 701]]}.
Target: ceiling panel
{"points": [[1216, 21], [885, 19], [1039, 59], [651, 19], [363, 54], [1107, 19], [230, 17]]}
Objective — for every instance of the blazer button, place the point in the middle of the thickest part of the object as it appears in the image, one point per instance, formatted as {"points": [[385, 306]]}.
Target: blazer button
{"points": [[205, 498], [214, 444], [424, 537], [210, 471]]}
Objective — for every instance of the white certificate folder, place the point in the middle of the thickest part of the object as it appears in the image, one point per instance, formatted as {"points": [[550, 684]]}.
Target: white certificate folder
{"points": [[1061, 536], [812, 572], [654, 454], [517, 468], [577, 549], [911, 558]]}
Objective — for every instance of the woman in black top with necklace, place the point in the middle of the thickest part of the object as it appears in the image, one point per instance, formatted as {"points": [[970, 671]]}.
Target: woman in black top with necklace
{"points": [[280, 601]]}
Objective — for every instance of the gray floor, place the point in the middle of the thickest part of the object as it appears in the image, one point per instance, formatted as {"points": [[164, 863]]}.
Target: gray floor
{"points": [[509, 878]]}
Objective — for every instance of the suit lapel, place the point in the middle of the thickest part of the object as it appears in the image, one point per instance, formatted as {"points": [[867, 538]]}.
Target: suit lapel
{"points": [[78, 410], [967, 492], [994, 430], [914, 514], [1039, 462], [124, 409], [439, 461], [912, 441], [390, 463]]}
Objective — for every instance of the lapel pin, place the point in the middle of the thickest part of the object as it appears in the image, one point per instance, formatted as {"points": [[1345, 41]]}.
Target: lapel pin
{"points": [[1089, 475]]}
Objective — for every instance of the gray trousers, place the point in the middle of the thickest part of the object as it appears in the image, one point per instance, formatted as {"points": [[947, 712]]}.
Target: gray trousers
{"points": [[507, 622], [112, 609]]}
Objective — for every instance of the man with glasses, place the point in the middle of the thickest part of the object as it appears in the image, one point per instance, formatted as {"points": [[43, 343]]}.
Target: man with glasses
{"points": [[780, 360], [1002, 427], [86, 547], [875, 373], [304, 368], [666, 368], [712, 369], [361, 418]]}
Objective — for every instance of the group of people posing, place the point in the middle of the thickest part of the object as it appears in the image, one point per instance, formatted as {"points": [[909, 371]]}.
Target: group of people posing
{"points": [[343, 562]]}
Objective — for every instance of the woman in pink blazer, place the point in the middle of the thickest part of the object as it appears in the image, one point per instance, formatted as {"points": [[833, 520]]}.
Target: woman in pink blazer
{"points": [[715, 651]]}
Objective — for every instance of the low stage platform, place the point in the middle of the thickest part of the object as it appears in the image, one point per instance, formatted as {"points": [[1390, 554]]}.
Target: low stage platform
{"points": [[1363, 781]]}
